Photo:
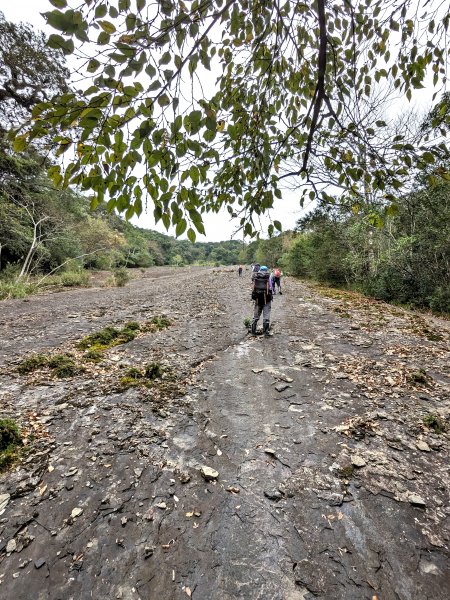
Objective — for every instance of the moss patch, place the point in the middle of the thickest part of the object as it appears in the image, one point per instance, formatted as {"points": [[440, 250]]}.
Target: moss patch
{"points": [[346, 472], [10, 442], [435, 422], [32, 363], [419, 377], [61, 365], [157, 323], [109, 336], [134, 377]]}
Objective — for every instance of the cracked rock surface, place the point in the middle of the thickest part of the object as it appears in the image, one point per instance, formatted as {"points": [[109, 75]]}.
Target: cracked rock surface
{"points": [[311, 464]]}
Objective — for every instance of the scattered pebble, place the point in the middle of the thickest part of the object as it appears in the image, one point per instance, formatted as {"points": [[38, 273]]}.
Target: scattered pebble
{"points": [[416, 500], [358, 461], [209, 474], [40, 562]]}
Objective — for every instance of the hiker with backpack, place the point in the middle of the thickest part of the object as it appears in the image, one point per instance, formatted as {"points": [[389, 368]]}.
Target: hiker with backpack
{"points": [[277, 280], [241, 268], [262, 294]]}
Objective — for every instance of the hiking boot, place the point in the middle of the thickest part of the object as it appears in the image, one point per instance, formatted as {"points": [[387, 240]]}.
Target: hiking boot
{"points": [[254, 328], [266, 329]]}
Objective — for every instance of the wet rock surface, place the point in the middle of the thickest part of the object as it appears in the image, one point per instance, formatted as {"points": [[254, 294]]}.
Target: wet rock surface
{"points": [[313, 464]]}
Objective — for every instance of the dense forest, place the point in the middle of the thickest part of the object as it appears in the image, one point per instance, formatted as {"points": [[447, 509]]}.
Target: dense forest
{"points": [[402, 257]]}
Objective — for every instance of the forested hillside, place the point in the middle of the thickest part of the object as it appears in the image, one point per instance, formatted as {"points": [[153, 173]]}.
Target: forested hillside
{"points": [[49, 229], [44, 229], [61, 226]]}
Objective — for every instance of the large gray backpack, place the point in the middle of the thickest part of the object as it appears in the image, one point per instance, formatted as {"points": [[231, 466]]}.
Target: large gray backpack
{"points": [[261, 280]]}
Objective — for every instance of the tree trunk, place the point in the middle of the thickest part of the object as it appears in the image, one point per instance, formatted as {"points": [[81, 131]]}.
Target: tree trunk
{"points": [[27, 261]]}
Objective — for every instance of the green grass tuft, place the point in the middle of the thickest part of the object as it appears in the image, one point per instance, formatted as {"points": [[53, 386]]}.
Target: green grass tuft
{"points": [[153, 371], [61, 365], [64, 366], [11, 289], [30, 364], [435, 422], [10, 442], [157, 323]]}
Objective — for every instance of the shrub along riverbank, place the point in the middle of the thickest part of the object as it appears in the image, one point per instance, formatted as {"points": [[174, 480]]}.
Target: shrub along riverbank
{"points": [[402, 256]]}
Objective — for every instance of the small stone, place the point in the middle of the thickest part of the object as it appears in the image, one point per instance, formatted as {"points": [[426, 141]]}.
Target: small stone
{"points": [[161, 505], [416, 500], [149, 515], [71, 472], [209, 474], [273, 494], [124, 521], [270, 451], [281, 387], [76, 512], [11, 546], [148, 551], [358, 461], [185, 478], [40, 562], [421, 445]]}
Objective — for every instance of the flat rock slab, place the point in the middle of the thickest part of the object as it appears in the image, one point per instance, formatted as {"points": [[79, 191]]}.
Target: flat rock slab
{"points": [[279, 478]]}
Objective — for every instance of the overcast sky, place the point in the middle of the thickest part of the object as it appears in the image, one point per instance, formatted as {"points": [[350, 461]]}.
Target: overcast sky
{"points": [[218, 226]]}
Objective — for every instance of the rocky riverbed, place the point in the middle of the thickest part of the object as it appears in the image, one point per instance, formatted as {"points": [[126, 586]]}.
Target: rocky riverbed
{"points": [[311, 464]]}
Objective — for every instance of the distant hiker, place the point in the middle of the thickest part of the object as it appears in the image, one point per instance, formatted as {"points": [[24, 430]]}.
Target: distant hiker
{"points": [[241, 268], [277, 274], [262, 295]]}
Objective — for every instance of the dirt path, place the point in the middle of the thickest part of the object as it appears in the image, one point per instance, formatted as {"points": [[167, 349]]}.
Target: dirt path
{"points": [[330, 483]]}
